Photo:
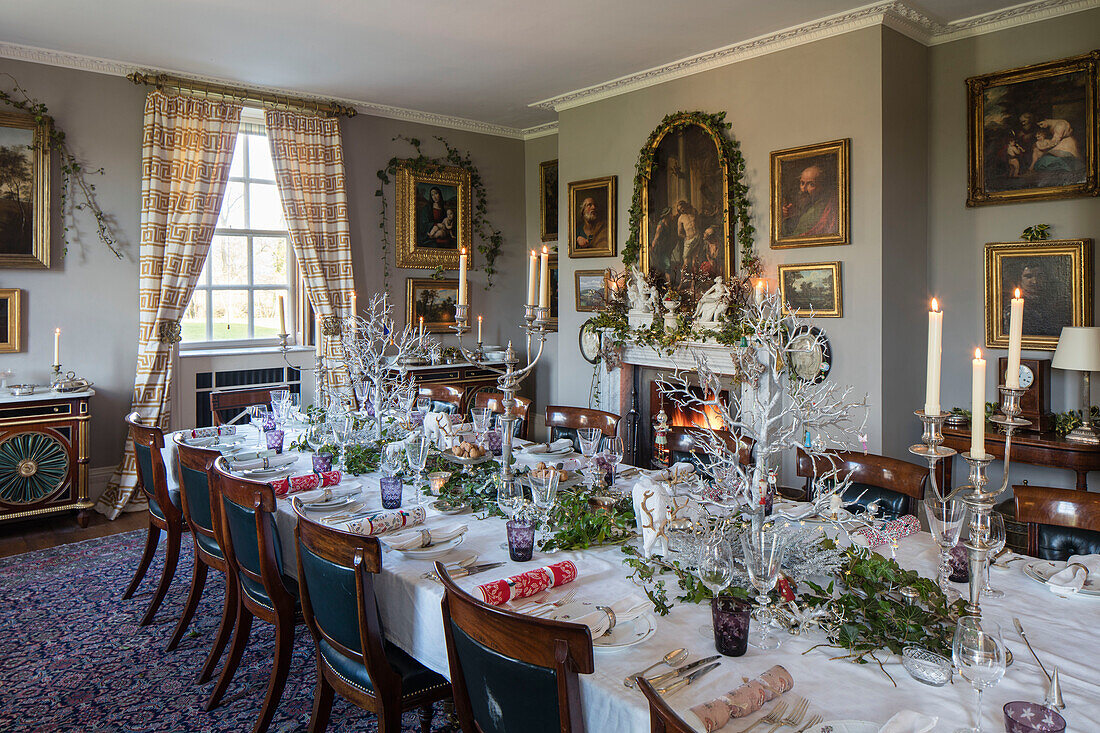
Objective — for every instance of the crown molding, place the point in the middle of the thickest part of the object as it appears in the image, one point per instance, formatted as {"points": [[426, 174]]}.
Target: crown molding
{"points": [[549, 128], [1022, 14]]}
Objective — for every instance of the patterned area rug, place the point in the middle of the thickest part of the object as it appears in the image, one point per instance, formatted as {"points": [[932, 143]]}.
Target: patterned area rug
{"points": [[73, 658]]}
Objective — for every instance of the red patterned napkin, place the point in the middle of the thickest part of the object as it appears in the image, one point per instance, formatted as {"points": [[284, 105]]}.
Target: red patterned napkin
{"points": [[305, 482], [890, 530], [529, 583], [745, 700]]}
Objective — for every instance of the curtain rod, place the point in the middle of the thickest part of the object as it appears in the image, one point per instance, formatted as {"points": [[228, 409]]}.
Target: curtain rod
{"points": [[240, 94]]}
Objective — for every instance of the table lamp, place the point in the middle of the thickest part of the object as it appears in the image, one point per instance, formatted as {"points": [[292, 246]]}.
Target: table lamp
{"points": [[1079, 350]]}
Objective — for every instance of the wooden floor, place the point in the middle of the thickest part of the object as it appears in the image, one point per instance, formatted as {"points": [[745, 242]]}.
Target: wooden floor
{"points": [[38, 534]]}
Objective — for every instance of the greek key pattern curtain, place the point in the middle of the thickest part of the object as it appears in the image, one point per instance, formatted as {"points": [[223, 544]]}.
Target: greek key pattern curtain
{"points": [[187, 148], [309, 168]]}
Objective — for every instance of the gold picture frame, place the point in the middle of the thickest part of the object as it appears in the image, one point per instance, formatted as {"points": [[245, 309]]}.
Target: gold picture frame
{"points": [[1028, 129], [548, 200], [427, 235], [26, 144], [438, 308], [1059, 272], [11, 316], [819, 218], [598, 241], [582, 294], [822, 299], [555, 292]]}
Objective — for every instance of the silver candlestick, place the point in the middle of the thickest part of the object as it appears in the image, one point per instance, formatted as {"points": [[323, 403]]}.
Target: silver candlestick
{"points": [[931, 447], [319, 378]]}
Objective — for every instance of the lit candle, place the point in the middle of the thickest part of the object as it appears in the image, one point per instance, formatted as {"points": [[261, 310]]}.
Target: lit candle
{"points": [[282, 316], [462, 278], [479, 329], [935, 347], [758, 294], [532, 280], [320, 338], [421, 326], [1015, 337], [544, 277], [977, 408], [353, 299], [57, 346]]}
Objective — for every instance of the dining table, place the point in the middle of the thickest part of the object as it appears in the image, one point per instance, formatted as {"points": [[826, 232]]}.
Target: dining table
{"points": [[1064, 631]]}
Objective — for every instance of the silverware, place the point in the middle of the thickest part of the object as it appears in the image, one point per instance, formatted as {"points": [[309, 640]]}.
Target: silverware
{"points": [[671, 659], [771, 718], [680, 672], [811, 723], [461, 572], [1053, 696], [685, 681], [347, 517], [544, 607], [793, 718]]}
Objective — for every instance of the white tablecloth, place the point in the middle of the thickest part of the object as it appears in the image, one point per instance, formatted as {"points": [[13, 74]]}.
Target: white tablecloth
{"points": [[1063, 632]]}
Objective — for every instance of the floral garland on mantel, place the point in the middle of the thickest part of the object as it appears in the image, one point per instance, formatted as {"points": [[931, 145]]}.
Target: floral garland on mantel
{"points": [[490, 238]]}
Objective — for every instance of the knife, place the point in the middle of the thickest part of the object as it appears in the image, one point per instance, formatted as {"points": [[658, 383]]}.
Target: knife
{"points": [[461, 572], [669, 689], [680, 672]]}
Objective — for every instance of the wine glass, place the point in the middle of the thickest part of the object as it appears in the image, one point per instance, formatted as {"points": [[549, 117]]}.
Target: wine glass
{"points": [[764, 547], [996, 542], [945, 521], [423, 404], [615, 452], [393, 456], [342, 431], [416, 451], [544, 492], [714, 565], [481, 416], [509, 498], [978, 652], [280, 404], [257, 415], [590, 440]]}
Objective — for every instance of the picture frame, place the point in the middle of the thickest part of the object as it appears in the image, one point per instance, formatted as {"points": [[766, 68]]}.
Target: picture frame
{"points": [[590, 294], [810, 188], [812, 289], [428, 234], [1055, 279], [1033, 132], [548, 200], [25, 191], [595, 236], [433, 299], [11, 318], [555, 292]]}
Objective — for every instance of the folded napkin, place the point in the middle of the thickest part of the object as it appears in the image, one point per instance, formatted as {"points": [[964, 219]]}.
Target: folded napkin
{"points": [[886, 532], [250, 455], [199, 433], [305, 482], [908, 721], [417, 538], [600, 621], [380, 523], [556, 446], [1072, 578], [675, 473], [273, 462], [529, 583], [745, 700]]}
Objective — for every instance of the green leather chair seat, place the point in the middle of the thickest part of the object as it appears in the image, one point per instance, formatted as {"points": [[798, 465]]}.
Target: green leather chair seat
{"points": [[415, 677], [210, 545], [154, 507], [257, 593]]}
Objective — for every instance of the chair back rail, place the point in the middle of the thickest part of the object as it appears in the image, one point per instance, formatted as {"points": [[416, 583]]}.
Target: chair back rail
{"points": [[559, 416], [222, 402], [152, 473], [441, 395], [891, 474], [196, 498], [685, 440], [662, 718], [495, 402], [1058, 520]]}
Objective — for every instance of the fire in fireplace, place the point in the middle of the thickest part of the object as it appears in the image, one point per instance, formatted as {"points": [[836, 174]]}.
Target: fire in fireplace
{"points": [[687, 416]]}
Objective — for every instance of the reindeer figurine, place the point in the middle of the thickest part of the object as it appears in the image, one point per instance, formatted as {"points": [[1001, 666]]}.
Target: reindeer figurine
{"points": [[651, 501]]}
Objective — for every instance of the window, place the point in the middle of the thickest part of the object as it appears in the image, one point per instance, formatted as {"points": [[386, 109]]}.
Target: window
{"points": [[249, 264]]}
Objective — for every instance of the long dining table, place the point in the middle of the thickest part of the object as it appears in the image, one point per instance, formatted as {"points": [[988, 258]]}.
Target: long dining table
{"points": [[1064, 632]]}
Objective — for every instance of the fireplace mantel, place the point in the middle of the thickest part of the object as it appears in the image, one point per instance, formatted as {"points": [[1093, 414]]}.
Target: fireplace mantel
{"points": [[720, 358]]}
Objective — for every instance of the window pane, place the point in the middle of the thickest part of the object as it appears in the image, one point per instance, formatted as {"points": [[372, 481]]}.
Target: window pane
{"points": [[232, 215], [266, 209], [259, 158], [194, 318], [236, 168], [228, 260], [230, 309], [266, 312], [269, 266]]}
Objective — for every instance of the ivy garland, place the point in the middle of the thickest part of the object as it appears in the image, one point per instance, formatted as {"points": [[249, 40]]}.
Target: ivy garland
{"points": [[490, 240]]}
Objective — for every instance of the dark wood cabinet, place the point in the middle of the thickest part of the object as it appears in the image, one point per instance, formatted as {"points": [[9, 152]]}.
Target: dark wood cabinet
{"points": [[470, 378], [1037, 449]]}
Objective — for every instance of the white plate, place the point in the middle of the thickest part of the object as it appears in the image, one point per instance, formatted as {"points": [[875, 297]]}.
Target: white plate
{"points": [[626, 633], [334, 502], [846, 726], [1042, 570], [547, 454], [434, 551], [266, 474], [447, 455]]}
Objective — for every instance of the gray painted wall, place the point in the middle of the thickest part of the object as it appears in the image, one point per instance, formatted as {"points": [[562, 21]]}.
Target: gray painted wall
{"points": [[539, 150]]}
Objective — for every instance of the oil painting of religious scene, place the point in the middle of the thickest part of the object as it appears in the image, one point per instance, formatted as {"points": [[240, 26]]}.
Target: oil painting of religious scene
{"points": [[812, 289], [1033, 132], [437, 216], [810, 195], [685, 232], [592, 217], [24, 191], [433, 216]]}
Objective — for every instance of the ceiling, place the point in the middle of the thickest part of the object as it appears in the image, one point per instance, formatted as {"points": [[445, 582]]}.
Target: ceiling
{"points": [[484, 60]]}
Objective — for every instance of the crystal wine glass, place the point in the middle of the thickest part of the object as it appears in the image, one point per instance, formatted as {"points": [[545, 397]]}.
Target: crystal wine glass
{"points": [[978, 652], [945, 520], [480, 416], [996, 541], [714, 566], [280, 404], [423, 404], [615, 452], [590, 440], [342, 430], [764, 547], [257, 414], [416, 451], [393, 456], [544, 492]]}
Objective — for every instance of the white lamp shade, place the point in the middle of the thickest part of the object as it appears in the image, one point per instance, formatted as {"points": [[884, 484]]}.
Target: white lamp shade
{"points": [[1078, 349]]}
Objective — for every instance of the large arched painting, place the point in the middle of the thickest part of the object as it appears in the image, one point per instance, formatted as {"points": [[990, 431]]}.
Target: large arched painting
{"points": [[685, 211]]}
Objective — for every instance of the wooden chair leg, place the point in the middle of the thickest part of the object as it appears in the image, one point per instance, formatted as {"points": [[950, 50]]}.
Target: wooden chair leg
{"points": [[170, 560], [322, 703], [151, 540], [426, 713], [241, 630], [280, 668], [198, 582], [389, 721], [225, 629]]}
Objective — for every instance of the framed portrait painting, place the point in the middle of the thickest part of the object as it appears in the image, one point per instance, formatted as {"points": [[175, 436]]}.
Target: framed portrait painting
{"points": [[24, 191], [591, 292], [433, 217], [555, 288], [1033, 132], [432, 300], [10, 318], [812, 289], [1055, 280], [548, 200], [592, 217], [810, 195]]}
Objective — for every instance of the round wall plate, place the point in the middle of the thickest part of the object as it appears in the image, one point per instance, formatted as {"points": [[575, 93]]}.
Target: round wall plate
{"points": [[589, 339], [811, 354]]}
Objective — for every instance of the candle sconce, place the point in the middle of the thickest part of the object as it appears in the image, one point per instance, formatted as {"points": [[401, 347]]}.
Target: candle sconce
{"points": [[931, 447]]}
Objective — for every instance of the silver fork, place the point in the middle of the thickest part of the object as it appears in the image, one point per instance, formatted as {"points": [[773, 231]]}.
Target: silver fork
{"points": [[793, 718], [544, 607], [814, 721], [771, 718]]}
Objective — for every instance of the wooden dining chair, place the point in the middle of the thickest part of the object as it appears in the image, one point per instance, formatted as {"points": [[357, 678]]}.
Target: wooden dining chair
{"points": [[495, 402], [897, 486], [250, 541], [226, 404], [662, 718], [512, 672], [163, 513], [564, 422], [684, 445], [1060, 522], [444, 397], [198, 503], [336, 573]]}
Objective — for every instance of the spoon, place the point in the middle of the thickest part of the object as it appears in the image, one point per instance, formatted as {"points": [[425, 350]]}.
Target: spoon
{"points": [[674, 657]]}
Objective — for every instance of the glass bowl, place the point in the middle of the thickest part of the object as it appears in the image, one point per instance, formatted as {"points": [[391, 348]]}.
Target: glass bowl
{"points": [[926, 666]]}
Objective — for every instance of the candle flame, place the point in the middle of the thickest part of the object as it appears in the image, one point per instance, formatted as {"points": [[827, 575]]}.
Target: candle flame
{"points": [[1017, 296], [57, 331], [545, 250], [463, 251], [533, 255], [935, 305], [977, 353]]}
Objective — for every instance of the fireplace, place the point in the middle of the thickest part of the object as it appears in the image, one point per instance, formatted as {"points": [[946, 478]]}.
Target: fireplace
{"points": [[686, 416]]}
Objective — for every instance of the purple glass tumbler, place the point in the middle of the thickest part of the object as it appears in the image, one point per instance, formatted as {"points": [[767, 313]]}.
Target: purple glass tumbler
{"points": [[392, 487], [322, 462], [275, 440], [521, 540], [731, 625]]}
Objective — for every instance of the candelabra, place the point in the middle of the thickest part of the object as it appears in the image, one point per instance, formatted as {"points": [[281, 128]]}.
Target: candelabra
{"points": [[931, 447], [508, 378], [319, 377]]}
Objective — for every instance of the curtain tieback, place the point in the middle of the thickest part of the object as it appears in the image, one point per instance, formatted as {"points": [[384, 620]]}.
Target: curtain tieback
{"points": [[169, 332], [331, 326]]}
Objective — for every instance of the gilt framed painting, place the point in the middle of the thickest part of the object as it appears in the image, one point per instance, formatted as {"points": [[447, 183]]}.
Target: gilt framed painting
{"points": [[11, 317], [592, 217], [812, 289], [432, 300], [810, 195], [548, 200], [433, 217], [24, 191]]}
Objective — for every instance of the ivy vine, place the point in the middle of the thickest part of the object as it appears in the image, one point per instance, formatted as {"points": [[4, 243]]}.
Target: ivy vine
{"points": [[489, 238], [77, 193]]}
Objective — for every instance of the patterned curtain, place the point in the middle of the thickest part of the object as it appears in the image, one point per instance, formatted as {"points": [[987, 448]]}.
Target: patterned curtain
{"points": [[186, 151], [309, 168]]}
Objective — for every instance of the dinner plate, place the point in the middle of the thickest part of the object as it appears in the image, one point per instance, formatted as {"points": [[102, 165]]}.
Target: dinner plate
{"points": [[1042, 570], [628, 633], [333, 502], [265, 474], [546, 454], [846, 726], [434, 551]]}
